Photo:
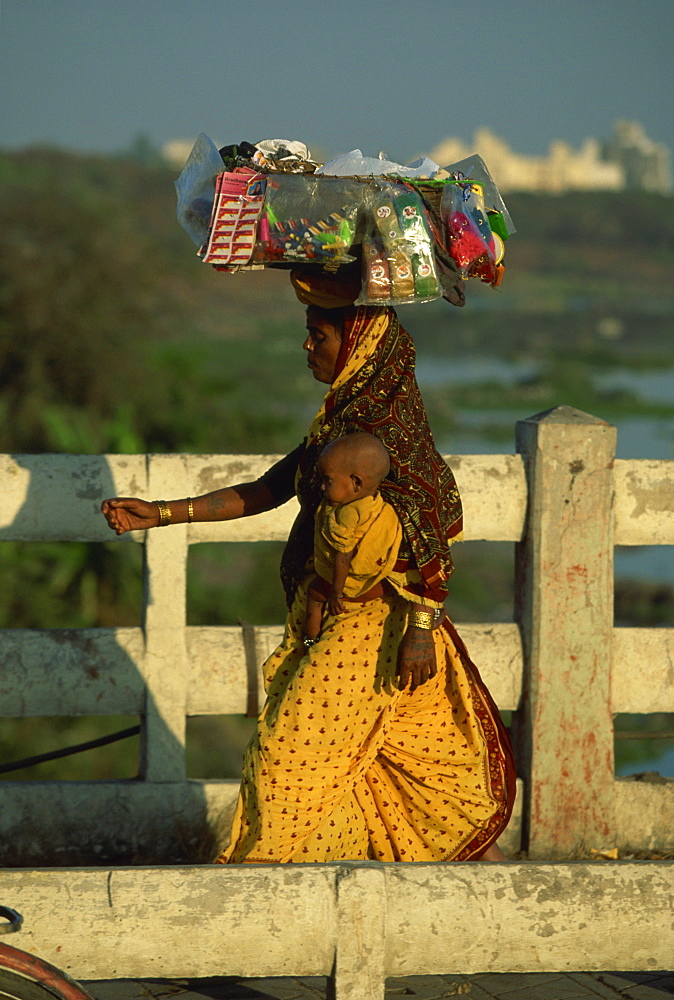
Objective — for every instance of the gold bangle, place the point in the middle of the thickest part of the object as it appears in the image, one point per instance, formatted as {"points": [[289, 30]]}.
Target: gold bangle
{"points": [[164, 513], [190, 510], [421, 619], [425, 619]]}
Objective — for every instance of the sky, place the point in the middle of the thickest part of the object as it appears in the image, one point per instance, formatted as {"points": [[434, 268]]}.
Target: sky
{"points": [[393, 75]]}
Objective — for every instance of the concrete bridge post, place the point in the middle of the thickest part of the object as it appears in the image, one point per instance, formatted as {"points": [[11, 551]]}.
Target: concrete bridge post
{"points": [[564, 730]]}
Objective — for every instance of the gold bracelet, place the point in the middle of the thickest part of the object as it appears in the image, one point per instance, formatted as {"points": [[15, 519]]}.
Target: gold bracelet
{"points": [[190, 510], [164, 513], [424, 619], [421, 619]]}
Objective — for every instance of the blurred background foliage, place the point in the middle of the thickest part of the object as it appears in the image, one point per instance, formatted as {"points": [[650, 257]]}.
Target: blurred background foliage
{"points": [[115, 338]]}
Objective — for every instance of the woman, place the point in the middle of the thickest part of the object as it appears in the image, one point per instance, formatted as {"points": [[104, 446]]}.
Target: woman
{"points": [[380, 740]]}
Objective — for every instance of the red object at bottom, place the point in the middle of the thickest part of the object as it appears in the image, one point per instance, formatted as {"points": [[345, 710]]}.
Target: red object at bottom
{"points": [[36, 970]]}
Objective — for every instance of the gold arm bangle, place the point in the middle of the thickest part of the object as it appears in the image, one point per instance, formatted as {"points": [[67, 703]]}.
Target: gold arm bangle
{"points": [[190, 510], [164, 513]]}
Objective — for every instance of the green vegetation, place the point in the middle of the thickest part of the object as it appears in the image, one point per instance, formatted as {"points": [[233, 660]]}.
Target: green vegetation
{"points": [[114, 337]]}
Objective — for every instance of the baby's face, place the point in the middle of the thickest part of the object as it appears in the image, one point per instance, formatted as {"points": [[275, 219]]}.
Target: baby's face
{"points": [[336, 482]]}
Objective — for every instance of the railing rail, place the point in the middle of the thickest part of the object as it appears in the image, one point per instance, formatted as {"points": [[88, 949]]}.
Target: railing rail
{"points": [[354, 922], [562, 667]]}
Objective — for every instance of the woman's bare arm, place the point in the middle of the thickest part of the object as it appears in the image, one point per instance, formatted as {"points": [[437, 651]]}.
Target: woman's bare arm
{"points": [[131, 513]]}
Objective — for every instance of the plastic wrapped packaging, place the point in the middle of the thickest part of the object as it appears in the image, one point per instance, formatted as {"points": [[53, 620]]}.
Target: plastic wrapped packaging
{"points": [[472, 243], [239, 197], [355, 164], [286, 156], [196, 188], [397, 260], [308, 220], [474, 168]]}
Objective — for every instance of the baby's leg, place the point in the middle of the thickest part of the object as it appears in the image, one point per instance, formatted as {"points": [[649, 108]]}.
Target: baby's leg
{"points": [[313, 618]]}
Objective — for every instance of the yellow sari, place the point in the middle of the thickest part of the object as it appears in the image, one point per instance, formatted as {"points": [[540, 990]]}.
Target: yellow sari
{"points": [[345, 765]]}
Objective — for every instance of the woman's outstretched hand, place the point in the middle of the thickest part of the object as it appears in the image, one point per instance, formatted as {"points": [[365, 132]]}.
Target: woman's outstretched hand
{"points": [[130, 514], [416, 657]]}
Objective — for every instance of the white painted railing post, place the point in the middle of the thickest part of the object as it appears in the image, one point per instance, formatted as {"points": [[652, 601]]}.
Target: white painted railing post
{"points": [[166, 663], [564, 729], [359, 972]]}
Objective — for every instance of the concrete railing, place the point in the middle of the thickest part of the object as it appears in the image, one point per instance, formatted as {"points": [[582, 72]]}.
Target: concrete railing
{"points": [[355, 922], [562, 667]]}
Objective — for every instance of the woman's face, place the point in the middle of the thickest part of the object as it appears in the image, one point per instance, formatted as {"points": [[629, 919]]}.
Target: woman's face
{"points": [[322, 346]]}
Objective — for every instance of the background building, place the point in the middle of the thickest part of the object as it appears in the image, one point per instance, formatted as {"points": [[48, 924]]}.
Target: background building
{"points": [[629, 159]]}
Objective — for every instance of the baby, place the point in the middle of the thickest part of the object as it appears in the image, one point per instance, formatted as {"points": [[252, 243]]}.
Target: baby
{"points": [[356, 534]]}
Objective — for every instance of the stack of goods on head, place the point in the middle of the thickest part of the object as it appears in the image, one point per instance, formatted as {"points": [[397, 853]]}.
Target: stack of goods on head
{"points": [[410, 233]]}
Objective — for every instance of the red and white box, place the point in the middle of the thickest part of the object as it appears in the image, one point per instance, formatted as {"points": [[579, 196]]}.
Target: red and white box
{"points": [[239, 197]]}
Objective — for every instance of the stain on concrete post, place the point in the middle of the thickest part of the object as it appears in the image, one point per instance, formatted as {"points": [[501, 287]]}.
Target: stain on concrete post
{"points": [[564, 729]]}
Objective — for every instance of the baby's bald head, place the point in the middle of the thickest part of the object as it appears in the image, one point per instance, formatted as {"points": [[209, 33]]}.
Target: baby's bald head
{"points": [[359, 454]]}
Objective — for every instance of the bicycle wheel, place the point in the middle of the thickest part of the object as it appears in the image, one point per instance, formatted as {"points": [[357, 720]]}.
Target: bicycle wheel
{"points": [[16, 987], [26, 977]]}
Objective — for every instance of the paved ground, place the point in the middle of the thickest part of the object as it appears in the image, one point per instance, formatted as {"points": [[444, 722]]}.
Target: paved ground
{"points": [[504, 986]]}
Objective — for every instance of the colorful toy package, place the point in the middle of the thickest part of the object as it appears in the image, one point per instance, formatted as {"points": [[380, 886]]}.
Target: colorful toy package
{"points": [[307, 219], [397, 249], [239, 197], [471, 241], [475, 221]]}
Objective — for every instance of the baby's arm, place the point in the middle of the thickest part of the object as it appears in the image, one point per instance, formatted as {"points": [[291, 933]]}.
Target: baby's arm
{"points": [[339, 575]]}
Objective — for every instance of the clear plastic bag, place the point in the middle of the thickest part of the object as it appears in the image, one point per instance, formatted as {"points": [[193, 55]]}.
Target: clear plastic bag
{"points": [[195, 188], [398, 260], [355, 164], [471, 242], [475, 169], [306, 219]]}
